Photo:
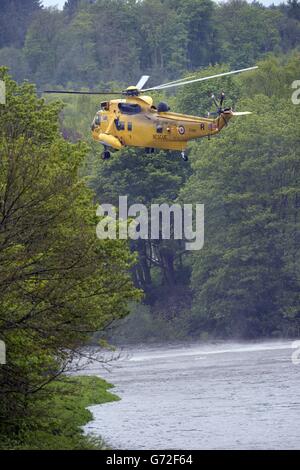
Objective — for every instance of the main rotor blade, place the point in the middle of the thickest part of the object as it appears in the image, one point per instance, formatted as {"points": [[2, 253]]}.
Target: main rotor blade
{"points": [[174, 81], [66, 92], [142, 81], [163, 86]]}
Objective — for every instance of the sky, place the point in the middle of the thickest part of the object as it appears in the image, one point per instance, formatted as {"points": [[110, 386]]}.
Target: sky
{"points": [[60, 3]]}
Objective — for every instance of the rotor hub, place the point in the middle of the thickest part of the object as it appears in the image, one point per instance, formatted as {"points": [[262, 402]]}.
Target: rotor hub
{"points": [[131, 91]]}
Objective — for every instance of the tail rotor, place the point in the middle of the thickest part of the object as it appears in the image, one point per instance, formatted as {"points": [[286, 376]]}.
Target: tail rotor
{"points": [[218, 103]]}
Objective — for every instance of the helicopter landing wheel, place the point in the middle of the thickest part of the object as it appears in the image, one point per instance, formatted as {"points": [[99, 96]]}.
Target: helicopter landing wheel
{"points": [[184, 156], [106, 155]]}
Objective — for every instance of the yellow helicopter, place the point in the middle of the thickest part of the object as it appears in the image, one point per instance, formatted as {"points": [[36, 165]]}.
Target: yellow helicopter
{"points": [[134, 120]]}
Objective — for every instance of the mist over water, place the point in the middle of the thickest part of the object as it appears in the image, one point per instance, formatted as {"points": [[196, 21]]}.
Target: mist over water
{"points": [[202, 396]]}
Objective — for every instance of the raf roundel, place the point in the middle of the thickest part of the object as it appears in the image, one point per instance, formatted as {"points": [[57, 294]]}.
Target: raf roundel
{"points": [[181, 130]]}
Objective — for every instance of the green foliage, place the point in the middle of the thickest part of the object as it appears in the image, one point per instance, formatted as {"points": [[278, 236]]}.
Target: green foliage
{"points": [[220, 170], [274, 76], [147, 324], [72, 6], [246, 279], [43, 43], [56, 416], [203, 39], [15, 19], [99, 41], [77, 51], [58, 282], [146, 179], [14, 59], [248, 31], [196, 99]]}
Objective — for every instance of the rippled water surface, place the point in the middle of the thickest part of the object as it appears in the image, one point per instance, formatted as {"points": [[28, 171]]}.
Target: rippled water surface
{"points": [[213, 396]]}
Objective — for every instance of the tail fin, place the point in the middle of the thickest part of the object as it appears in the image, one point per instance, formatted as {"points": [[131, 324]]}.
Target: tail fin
{"points": [[226, 115]]}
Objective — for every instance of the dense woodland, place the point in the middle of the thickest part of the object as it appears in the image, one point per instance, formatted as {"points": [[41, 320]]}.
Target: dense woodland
{"points": [[245, 281], [60, 285], [92, 43]]}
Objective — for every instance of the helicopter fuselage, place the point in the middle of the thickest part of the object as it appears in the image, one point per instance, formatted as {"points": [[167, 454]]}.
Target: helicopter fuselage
{"points": [[136, 122]]}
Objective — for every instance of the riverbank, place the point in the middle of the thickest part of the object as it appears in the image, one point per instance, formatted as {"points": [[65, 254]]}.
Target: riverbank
{"points": [[55, 418]]}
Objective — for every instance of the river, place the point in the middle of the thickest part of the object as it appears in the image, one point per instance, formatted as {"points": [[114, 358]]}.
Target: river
{"points": [[202, 396]]}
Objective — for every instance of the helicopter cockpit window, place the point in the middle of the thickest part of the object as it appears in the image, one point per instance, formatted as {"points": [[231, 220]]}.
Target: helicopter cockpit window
{"points": [[97, 120], [105, 105], [127, 108]]}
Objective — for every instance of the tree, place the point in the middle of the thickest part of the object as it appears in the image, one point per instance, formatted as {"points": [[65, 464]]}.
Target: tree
{"points": [[117, 40], [72, 6], [293, 9], [14, 59], [198, 17], [43, 44], [77, 60], [163, 40], [247, 31], [274, 76], [146, 179], [16, 16], [246, 279], [196, 99], [59, 284]]}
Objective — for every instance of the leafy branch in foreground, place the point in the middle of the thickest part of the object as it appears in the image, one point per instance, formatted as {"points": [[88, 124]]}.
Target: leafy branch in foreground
{"points": [[58, 282]]}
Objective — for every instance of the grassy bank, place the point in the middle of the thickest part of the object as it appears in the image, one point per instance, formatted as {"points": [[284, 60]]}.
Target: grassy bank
{"points": [[55, 417]]}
